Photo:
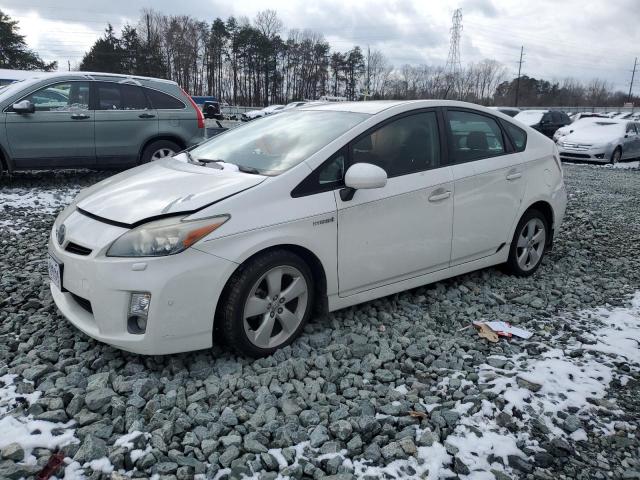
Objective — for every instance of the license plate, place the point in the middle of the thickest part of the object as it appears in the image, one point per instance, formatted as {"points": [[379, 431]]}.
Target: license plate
{"points": [[55, 270]]}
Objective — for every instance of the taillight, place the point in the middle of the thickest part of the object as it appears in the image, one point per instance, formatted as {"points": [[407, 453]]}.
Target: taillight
{"points": [[195, 106]]}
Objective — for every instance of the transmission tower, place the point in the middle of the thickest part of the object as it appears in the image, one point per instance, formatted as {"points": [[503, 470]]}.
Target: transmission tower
{"points": [[453, 66]]}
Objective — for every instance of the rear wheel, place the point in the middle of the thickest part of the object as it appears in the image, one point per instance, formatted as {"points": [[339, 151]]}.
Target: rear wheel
{"points": [[529, 244], [158, 150], [266, 303], [616, 155]]}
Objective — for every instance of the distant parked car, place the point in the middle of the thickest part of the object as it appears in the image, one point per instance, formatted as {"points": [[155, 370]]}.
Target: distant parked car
{"points": [[511, 111], [253, 114], [545, 121], [604, 141], [578, 124], [581, 115], [211, 109], [95, 120]]}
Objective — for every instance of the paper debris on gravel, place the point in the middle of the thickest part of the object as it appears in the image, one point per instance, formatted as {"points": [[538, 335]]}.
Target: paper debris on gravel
{"points": [[507, 328]]}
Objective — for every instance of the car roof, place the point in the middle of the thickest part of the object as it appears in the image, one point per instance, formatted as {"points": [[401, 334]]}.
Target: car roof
{"points": [[376, 106], [97, 76]]}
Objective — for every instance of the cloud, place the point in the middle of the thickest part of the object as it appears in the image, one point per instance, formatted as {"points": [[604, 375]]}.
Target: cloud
{"points": [[579, 38]]}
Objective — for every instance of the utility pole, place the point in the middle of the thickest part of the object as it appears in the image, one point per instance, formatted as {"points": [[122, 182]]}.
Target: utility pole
{"points": [[367, 93], [519, 71], [69, 64], [633, 74], [453, 67]]}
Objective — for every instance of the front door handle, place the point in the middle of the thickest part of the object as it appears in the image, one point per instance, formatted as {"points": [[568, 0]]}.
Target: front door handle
{"points": [[146, 115], [514, 175], [80, 116], [439, 196]]}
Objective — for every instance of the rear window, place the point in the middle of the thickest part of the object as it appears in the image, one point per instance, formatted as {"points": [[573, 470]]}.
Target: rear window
{"points": [[162, 101], [113, 96]]}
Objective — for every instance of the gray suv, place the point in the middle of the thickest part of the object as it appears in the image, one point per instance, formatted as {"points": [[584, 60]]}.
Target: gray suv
{"points": [[94, 120]]}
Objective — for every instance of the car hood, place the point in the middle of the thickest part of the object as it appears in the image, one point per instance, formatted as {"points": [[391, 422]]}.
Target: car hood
{"points": [[160, 188], [592, 136]]}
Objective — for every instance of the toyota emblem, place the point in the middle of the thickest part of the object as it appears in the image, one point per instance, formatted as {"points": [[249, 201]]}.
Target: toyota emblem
{"points": [[60, 234]]}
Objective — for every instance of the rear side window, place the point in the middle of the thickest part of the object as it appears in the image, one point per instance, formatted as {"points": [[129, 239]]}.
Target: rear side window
{"points": [[407, 145], [113, 96], [517, 135], [557, 117], [162, 101], [474, 136]]}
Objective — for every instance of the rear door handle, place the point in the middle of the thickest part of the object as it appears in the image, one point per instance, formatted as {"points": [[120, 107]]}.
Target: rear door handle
{"points": [[437, 197], [514, 175], [146, 115], [80, 116]]}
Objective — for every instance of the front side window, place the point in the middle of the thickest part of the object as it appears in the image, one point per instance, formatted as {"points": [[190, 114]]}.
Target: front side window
{"points": [[61, 97], [407, 145], [474, 136], [557, 117], [274, 144]]}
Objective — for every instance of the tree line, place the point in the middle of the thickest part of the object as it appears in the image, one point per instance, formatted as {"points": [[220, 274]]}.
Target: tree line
{"points": [[256, 62]]}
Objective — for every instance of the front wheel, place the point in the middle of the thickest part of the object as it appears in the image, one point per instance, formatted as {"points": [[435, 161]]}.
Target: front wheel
{"points": [[616, 155], [266, 303], [528, 245]]}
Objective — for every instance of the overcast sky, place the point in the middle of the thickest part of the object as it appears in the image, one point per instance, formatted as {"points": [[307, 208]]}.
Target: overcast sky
{"points": [[577, 38]]}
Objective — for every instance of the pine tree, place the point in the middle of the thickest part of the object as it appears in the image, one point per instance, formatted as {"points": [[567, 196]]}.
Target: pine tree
{"points": [[14, 52]]}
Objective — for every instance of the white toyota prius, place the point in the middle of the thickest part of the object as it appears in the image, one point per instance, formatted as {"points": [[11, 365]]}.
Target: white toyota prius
{"points": [[246, 236]]}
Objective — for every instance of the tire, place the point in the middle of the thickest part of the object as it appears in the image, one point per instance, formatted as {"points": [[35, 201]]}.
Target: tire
{"points": [[616, 156], [159, 149], [254, 288], [529, 245]]}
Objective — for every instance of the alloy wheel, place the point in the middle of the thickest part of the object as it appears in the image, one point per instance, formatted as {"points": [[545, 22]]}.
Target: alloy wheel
{"points": [[275, 306], [162, 153], [531, 244]]}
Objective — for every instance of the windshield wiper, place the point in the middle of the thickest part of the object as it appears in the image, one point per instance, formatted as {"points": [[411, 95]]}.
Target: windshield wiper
{"points": [[252, 170], [213, 162]]}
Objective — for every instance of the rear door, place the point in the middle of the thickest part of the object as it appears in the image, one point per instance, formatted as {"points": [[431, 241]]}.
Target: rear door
{"points": [[177, 116], [124, 122], [489, 181], [60, 133]]}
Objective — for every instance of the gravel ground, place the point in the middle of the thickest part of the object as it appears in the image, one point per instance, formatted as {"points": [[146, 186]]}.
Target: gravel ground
{"points": [[393, 388]]}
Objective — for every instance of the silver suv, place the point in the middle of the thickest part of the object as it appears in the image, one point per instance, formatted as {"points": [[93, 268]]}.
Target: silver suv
{"points": [[94, 120]]}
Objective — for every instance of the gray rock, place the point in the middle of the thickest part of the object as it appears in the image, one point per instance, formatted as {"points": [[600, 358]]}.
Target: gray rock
{"points": [[534, 387], [318, 436], [341, 430], [91, 448], [97, 399], [13, 451]]}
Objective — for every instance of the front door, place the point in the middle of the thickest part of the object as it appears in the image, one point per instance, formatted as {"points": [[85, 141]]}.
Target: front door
{"points": [[489, 185], [60, 133], [403, 229], [124, 122]]}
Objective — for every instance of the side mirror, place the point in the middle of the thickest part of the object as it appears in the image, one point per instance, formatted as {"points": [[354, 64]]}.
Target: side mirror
{"points": [[23, 106], [362, 176]]}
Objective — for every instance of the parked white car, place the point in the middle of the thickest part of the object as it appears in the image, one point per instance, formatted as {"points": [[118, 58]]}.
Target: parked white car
{"points": [[253, 114], [603, 141], [315, 209], [578, 124]]}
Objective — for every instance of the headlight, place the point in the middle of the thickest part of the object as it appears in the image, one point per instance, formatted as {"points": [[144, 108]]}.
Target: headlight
{"points": [[164, 237]]}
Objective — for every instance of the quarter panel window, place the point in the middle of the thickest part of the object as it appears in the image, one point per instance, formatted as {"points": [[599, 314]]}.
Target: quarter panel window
{"points": [[162, 101], [474, 136], [518, 136], [407, 145], [61, 97]]}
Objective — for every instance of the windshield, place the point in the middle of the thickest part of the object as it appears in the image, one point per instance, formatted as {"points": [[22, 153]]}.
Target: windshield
{"points": [[276, 143], [529, 118]]}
